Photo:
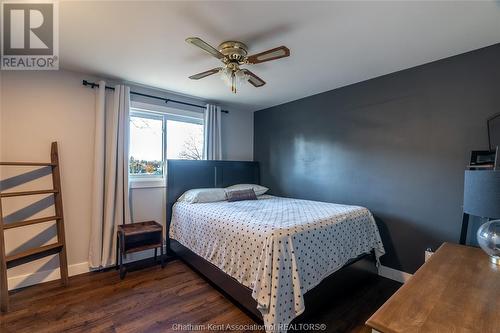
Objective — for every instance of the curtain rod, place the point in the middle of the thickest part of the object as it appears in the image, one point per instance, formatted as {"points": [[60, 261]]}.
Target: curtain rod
{"points": [[166, 100]]}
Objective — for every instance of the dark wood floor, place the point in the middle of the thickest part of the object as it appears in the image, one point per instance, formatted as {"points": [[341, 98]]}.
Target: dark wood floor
{"points": [[153, 300]]}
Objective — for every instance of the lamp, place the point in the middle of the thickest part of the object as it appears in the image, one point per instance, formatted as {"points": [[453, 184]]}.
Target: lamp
{"points": [[482, 198]]}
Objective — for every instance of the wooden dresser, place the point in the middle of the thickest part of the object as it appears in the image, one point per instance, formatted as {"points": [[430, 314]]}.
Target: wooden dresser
{"points": [[456, 290]]}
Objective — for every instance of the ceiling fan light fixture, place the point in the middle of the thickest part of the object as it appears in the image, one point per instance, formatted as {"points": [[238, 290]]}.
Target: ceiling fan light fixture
{"points": [[233, 78], [234, 54], [225, 74], [242, 76]]}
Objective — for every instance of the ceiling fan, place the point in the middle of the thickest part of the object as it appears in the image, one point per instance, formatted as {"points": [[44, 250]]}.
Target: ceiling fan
{"points": [[233, 54]]}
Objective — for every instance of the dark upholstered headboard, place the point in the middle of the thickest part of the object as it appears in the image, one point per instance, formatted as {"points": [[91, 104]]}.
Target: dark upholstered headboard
{"points": [[183, 175]]}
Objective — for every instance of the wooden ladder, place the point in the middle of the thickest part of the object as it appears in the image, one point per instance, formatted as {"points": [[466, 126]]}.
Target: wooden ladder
{"points": [[12, 260]]}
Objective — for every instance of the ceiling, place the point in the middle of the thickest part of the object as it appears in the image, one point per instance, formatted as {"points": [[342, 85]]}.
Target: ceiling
{"points": [[332, 44]]}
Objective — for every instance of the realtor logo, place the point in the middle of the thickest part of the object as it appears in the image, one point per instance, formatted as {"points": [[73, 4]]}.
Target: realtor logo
{"points": [[29, 36]]}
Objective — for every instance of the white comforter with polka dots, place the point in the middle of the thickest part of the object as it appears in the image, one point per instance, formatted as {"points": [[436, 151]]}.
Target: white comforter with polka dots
{"points": [[278, 247]]}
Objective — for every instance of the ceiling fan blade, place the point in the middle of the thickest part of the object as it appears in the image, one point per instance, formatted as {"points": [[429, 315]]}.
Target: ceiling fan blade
{"points": [[273, 54], [254, 79], [205, 73], [204, 46]]}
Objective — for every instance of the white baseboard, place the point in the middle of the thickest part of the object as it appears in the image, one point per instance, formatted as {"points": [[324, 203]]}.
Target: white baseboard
{"points": [[26, 280], [394, 274]]}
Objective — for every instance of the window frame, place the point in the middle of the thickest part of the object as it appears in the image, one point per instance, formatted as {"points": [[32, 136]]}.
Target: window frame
{"points": [[154, 111]]}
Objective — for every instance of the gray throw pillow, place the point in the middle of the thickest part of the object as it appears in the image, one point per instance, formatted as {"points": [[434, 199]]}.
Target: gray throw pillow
{"points": [[240, 195]]}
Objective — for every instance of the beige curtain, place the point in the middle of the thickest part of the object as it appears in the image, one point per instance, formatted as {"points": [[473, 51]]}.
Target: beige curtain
{"points": [[212, 149], [110, 186]]}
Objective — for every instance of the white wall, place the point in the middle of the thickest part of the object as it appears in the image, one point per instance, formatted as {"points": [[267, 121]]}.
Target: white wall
{"points": [[38, 107]]}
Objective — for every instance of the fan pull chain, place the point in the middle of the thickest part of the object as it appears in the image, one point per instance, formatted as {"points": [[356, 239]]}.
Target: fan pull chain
{"points": [[233, 82]]}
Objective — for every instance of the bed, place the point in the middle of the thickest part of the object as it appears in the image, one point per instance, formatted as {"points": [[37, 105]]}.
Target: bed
{"points": [[266, 254]]}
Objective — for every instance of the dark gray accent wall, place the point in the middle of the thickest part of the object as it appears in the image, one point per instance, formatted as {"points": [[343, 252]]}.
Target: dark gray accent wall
{"points": [[397, 144]]}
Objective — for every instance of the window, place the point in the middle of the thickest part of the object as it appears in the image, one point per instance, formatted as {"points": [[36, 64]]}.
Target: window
{"points": [[146, 145], [157, 134], [185, 140]]}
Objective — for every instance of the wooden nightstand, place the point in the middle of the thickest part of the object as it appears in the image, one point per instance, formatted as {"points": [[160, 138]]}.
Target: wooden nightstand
{"points": [[137, 237]]}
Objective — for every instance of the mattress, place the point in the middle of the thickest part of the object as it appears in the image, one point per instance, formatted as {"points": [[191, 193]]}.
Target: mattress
{"points": [[278, 247]]}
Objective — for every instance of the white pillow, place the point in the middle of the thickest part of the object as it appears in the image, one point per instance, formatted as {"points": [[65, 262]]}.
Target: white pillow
{"points": [[259, 190], [200, 195]]}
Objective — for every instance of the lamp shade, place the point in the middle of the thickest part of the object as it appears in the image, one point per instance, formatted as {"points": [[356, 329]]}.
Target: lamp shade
{"points": [[482, 193]]}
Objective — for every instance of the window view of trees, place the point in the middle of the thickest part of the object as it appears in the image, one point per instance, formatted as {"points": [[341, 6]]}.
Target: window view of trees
{"points": [[193, 145], [149, 133], [184, 140], [146, 145], [143, 167]]}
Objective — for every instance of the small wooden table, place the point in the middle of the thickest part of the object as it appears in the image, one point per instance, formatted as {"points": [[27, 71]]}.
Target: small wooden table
{"points": [[137, 237], [456, 290]]}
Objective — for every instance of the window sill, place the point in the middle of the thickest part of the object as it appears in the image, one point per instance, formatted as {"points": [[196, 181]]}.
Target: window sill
{"points": [[147, 183]]}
